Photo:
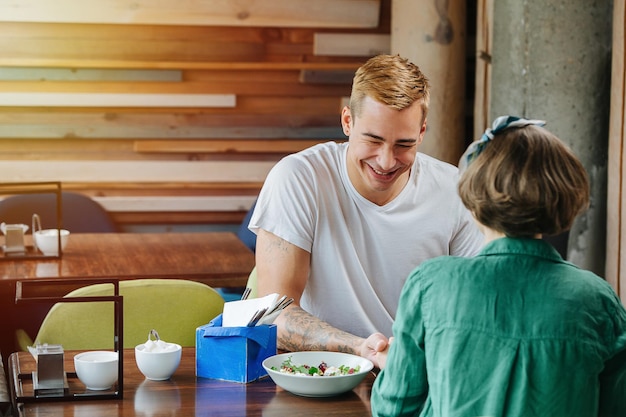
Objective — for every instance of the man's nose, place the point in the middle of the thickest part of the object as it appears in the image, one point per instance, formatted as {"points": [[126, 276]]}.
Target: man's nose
{"points": [[386, 158]]}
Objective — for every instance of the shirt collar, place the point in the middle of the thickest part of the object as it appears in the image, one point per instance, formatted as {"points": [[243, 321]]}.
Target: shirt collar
{"points": [[521, 246]]}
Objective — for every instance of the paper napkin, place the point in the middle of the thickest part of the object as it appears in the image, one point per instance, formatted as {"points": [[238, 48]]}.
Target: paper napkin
{"points": [[238, 313]]}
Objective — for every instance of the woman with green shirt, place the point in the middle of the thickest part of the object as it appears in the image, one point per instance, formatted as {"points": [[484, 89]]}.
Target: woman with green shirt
{"points": [[515, 331]]}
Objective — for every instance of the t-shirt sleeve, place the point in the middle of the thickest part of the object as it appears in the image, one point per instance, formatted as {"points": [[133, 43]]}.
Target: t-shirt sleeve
{"points": [[468, 239], [286, 205]]}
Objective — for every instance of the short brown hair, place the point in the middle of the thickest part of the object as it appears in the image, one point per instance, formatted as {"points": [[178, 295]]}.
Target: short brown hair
{"points": [[525, 182], [391, 80]]}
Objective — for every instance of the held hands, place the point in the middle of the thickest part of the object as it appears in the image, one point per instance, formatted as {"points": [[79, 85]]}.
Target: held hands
{"points": [[375, 348]]}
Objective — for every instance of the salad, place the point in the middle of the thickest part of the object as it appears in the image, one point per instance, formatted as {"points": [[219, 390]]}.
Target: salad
{"points": [[288, 367]]}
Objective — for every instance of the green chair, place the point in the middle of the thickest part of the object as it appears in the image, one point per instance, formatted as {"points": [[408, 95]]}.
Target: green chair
{"points": [[174, 308]]}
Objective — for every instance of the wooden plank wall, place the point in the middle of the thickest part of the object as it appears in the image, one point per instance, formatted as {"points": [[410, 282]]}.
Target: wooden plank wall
{"points": [[616, 207], [174, 123]]}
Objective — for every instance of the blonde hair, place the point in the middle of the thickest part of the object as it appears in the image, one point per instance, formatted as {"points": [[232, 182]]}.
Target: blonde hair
{"points": [[525, 182], [391, 80]]}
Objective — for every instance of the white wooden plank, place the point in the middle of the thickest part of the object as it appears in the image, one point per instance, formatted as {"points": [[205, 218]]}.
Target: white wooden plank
{"points": [[87, 74], [351, 44], [178, 204], [275, 13], [134, 171], [115, 100]]}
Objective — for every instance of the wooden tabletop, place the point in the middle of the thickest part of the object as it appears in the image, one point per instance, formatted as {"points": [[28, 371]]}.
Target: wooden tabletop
{"points": [[218, 259], [186, 395]]}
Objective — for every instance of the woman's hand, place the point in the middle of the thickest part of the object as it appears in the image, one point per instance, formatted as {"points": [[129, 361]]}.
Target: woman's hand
{"points": [[375, 348]]}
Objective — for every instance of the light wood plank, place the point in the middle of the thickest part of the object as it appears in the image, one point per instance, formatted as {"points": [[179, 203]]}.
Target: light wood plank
{"points": [[143, 125], [197, 87], [433, 37], [50, 131], [30, 99], [247, 106], [167, 120], [288, 13], [351, 44], [134, 219], [7, 61], [150, 149], [484, 42], [134, 171], [87, 74], [168, 188], [616, 194], [229, 146], [176, 204]]}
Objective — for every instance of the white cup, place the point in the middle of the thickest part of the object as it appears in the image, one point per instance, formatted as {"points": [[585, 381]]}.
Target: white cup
{"points": [[47, 240], [97, 369]]}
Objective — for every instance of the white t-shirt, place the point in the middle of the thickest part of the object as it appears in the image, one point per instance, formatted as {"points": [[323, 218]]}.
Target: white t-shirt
{"points": [[362, 253]]}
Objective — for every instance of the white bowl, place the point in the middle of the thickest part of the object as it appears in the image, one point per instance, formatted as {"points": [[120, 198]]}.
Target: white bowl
{"points": [[47, 240], [317, 386], [97, 369], [158, 365]]}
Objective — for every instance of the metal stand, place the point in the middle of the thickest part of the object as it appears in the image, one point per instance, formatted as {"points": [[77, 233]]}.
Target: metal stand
{"points": [[23, 385], [30, 251]]}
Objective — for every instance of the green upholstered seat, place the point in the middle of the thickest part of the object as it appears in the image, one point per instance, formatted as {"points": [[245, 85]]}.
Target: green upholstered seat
{"points": [[174, 308]]}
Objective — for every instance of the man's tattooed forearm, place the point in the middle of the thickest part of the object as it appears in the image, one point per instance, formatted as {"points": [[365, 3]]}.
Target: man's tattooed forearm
{"points": [[302, 331]]}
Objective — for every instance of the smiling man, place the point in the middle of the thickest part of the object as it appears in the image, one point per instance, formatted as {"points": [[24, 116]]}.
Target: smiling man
{"points": [[340, 226]]}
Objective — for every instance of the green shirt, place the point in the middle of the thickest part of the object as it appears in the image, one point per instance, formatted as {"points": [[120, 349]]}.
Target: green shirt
{"points": [[515, 331]]}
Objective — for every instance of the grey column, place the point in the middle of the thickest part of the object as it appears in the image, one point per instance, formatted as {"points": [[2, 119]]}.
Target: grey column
{"points": [[551, 60]]}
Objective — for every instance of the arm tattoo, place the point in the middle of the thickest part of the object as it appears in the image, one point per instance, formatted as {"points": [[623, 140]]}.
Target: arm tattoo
{"points": [[303, 331]]}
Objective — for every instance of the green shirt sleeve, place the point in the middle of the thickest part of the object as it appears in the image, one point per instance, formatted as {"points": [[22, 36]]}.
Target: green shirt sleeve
{"points": [[404, 394], [613, 377]]}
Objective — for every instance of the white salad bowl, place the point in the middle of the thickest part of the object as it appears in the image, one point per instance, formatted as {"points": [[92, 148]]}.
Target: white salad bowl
{"points": [[317, 386]]}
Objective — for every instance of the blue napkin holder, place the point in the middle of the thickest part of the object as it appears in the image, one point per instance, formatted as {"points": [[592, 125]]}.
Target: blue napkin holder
{"points": [[233, 353]]}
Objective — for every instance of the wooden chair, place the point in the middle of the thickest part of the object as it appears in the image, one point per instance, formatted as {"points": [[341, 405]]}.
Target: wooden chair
{"points": [[173, 307]]}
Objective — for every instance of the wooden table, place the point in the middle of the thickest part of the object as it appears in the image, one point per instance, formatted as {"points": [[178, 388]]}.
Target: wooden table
{"points": [[218, 259], [186, 395]]}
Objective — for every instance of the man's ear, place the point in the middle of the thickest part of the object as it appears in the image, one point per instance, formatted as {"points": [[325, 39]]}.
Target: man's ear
{"points": [[422, 131], [346, 120]]}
